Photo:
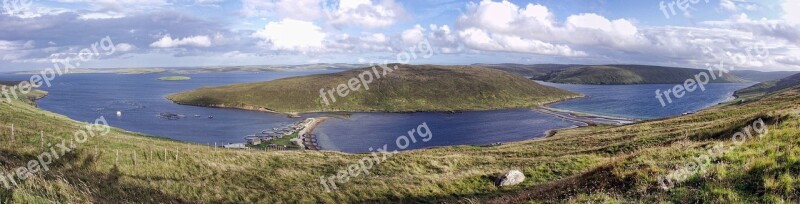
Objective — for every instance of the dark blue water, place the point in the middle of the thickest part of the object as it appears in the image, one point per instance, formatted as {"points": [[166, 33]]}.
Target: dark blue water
{"points": [[640, 102], [364, 130]]}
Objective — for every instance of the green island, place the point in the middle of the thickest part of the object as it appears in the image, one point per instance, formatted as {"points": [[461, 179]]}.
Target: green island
{"points": [[628, 74], [617, 164], [174, 78], [409, 88]]}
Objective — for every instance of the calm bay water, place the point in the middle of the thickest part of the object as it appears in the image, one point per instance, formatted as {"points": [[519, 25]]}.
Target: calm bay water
{"points": [[639, 101], [141, 98]]}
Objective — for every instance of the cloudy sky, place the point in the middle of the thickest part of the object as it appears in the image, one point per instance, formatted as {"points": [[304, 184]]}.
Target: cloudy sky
{"points": [[747, 34]]}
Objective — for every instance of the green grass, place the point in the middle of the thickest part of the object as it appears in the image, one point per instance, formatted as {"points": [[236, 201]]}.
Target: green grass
{"points": [[175, 78], [590, 164], [410, 88], [629, 74]]}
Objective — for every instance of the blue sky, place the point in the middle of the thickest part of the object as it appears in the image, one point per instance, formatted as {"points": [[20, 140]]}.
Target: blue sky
{"points": [[190, 33]]}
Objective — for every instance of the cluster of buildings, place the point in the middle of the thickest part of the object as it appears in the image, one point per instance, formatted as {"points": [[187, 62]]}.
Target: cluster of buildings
{"points": [[275, 133]]}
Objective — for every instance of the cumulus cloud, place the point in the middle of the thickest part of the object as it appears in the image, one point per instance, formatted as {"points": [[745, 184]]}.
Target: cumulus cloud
{"points": [[195, 41], [365, 13], [294, 9], [481, 40], [292, 35], [489, 24], [413, 35]]}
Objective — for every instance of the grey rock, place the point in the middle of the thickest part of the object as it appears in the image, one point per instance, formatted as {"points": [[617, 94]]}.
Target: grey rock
{"points": [[511, 178]]}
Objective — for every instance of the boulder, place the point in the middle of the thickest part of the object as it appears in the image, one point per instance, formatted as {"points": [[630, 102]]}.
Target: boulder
{"points": [[511, 178]]}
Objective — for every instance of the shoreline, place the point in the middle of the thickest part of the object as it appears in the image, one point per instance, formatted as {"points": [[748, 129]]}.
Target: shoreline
{"points": [[305, 138]]}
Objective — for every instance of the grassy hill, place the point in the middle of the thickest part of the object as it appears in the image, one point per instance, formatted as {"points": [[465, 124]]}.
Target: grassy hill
{"points": [[409, 88], [759, 76], [768, 87], [629, 74], [530, 71], [591, 164]]}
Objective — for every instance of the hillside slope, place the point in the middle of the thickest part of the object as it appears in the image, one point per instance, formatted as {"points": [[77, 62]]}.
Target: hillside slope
{"points": [[768, 87], [758, 76], [530, 71], [629, 74], [407, 89]]}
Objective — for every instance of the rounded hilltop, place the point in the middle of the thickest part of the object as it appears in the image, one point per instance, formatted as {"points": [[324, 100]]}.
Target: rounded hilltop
{"points": [[408, 88]]}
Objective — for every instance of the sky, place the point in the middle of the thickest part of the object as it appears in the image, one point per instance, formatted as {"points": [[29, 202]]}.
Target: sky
{"points": [[743, 34]]}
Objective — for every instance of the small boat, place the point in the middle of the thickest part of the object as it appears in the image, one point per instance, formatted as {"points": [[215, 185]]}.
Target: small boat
{"points": [[196, 115], [211, 117], [119, 113]]}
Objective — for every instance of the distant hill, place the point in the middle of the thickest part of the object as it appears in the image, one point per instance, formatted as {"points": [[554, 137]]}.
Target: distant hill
{"points": [[529, 70], [629, 74], [759, 76], [410, 88], [768, 87]]}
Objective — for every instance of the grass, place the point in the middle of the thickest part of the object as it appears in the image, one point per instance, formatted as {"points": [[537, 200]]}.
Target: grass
{"points": [[590, 164], [175, 78], [410, 88], [629, 74]]}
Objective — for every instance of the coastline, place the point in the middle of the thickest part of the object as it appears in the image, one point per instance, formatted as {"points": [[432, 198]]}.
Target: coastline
{"points": [[305, 138]]}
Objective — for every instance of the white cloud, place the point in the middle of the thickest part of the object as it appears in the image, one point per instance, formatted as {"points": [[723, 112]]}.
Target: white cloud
{"points": [[479, 39], [375, 38], [738, 5], [292, 35], [413, 35], [791, 11], [94, 16], [534, 27], [294, 9], [195, 41], [119, 5], [365, 13], [124, 47]]}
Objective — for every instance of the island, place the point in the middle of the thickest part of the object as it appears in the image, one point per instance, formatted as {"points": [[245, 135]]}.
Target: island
{"points": [[400, 88], [174, 78]]}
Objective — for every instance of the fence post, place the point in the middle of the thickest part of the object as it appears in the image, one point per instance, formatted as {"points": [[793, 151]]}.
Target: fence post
{"points": [[41, 136], [134, 157], [116, 159]]}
